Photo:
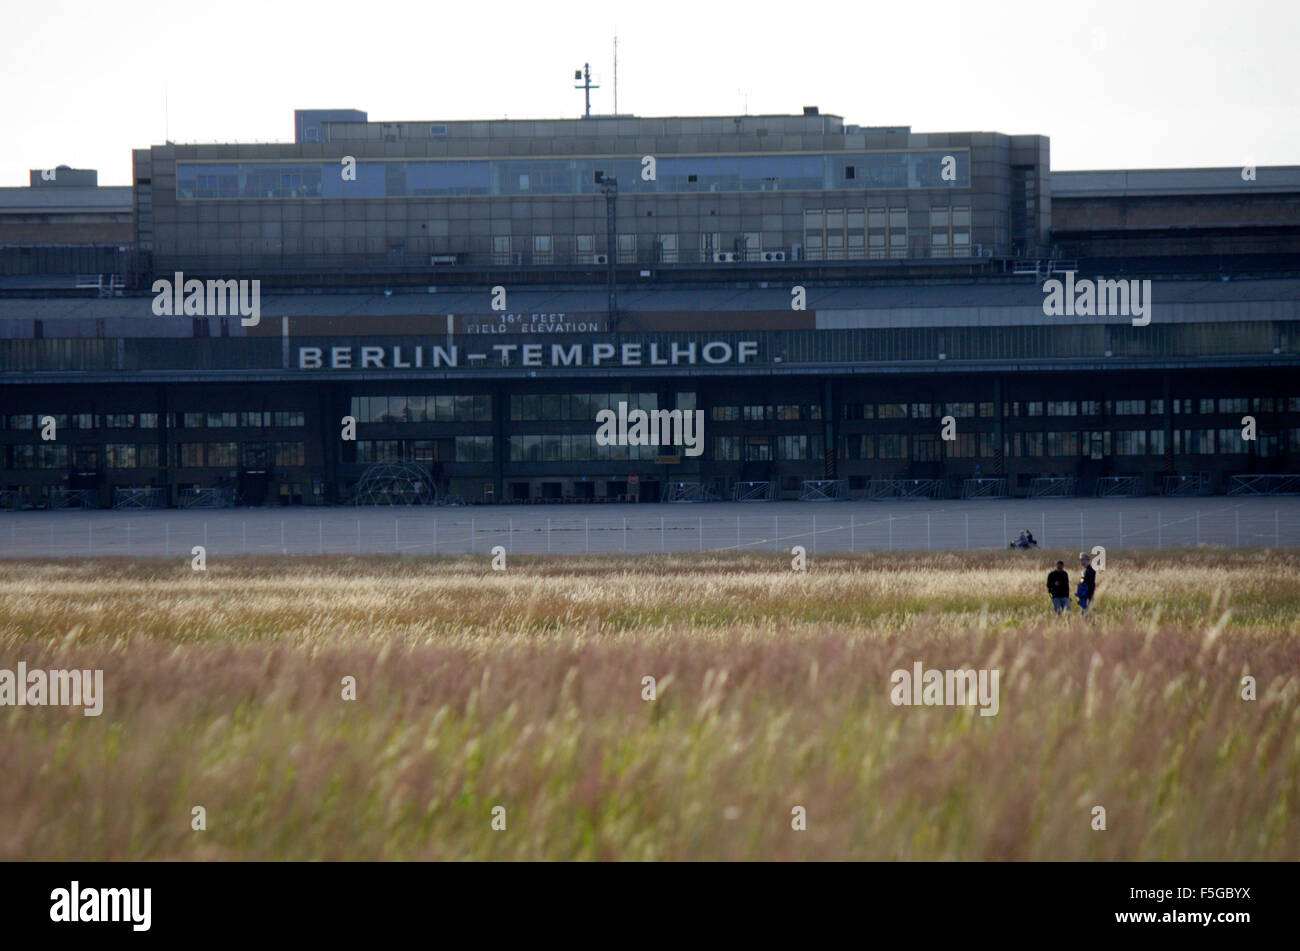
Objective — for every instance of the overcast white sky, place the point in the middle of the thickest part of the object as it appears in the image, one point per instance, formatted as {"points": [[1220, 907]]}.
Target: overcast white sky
{"points": [[1129, 84]]}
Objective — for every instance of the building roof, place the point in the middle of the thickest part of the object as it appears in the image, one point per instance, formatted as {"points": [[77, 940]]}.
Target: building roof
{"points": [[1148, 182], [963, 305], [71, 200]]}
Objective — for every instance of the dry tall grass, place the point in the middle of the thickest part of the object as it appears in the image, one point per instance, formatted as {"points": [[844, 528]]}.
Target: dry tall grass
{"points": [[523, 689]]}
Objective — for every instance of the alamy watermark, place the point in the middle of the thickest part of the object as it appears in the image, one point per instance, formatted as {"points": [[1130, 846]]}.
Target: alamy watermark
{"points": [[75, 904], [53, 688], [656, 427], [195, 298], [1098, 298], [939, 688]]}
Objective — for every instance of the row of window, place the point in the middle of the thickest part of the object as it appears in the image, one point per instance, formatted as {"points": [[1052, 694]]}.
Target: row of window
{"points": [[195, 455], [985, 410], [463, 408], [797, 448], [585, 406], [1096, 445], [578, 447], [836, 234], [766, 413], [91, 421], [916, 410], [453, 449], [369, 178]]}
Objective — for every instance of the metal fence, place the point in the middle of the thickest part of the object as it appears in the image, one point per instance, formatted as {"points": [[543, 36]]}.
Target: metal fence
{"points": [[836, 529]]}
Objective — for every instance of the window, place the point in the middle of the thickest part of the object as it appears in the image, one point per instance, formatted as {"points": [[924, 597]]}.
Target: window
{"points": [[1230, 442], [758, 449], [543, 250], [940, 232], [961, 232], [223, 454], [258, 420], [876, 232], [1034, 408], [726, 448], [1062, 443], [288, 419], [223, 420], [925, 449], [892, 411], [473, 448], [189, 455], [288, 454], [667, 247], [119, 421], [1131, 443], [792, 448], [893, 446], [1199, 442], [191, 420], [859, 447], [898, 232], [963, 447], [959, 410], [1237, 405], [50, 456], [1130, 407], [1062, 408], [120, 456], [859, 411]]}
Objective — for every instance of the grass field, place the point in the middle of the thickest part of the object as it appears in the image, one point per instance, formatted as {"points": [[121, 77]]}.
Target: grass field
{"points": [[523, 689]]}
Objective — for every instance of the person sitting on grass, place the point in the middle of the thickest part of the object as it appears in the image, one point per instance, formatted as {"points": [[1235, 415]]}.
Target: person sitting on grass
{"points": [[1058, 586]]}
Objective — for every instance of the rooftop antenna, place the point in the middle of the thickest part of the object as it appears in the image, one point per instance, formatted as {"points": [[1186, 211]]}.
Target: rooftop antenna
{"points": [[615, 74], [585, 75]]}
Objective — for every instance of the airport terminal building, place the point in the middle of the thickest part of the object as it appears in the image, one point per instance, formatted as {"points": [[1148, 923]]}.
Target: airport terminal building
{"points": [[852, 308]]}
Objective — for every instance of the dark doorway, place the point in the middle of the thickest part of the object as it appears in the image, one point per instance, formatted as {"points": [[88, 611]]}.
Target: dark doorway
{"points": [[519, 492], [252, 487]]}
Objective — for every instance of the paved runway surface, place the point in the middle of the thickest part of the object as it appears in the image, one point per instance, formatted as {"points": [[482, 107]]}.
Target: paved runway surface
{"points": [[1059, 524]]}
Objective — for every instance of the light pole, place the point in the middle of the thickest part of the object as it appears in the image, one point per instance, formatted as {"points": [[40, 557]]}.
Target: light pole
{"points": [[609, 188]]}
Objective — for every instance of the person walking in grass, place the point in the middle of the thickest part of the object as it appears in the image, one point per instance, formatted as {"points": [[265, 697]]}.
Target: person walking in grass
{"points": [[1058, 586], [1087, 583]]}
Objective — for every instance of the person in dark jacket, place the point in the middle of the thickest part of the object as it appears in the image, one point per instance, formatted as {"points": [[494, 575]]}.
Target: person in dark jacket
{"points": [[1087, 583], [1058, 586]]}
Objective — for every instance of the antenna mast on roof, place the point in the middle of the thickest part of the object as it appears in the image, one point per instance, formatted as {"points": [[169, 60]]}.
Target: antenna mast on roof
{"points": [[615, 74], [585, 75]]}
